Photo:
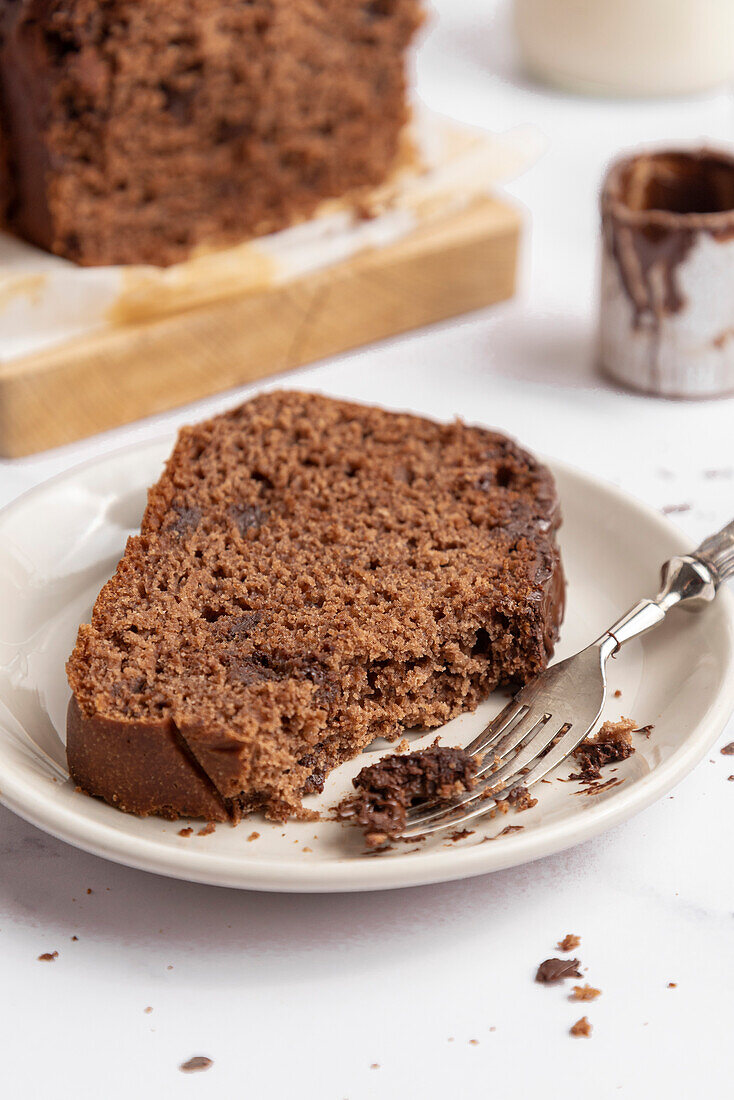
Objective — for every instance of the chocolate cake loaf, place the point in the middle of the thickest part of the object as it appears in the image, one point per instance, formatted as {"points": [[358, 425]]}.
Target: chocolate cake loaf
{"points": [[138, 129], [310, 574]]}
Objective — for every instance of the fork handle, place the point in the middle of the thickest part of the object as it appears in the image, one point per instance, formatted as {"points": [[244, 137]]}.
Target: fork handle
{"points": [[690, 580], [717, 553]]}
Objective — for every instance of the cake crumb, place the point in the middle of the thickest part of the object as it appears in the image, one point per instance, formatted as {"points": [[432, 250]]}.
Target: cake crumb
{"points": [[670, 509], [582, 1028], [672, 985], [387, 789], [728, 750], [375, 1065], [148, 1010], [207, 829], [521, 799], [557, 970], [569, 942], [584, 993], [89, 890], [74, 939], [48, 956], [185, 832], [306, 849], [195, 1064], [617, 694], [474, 1042], [254, 836], [611, 744]]}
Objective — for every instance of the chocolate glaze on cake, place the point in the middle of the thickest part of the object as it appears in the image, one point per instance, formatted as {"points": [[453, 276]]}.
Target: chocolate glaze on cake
{"points": [[135, 130], [309, 575]]}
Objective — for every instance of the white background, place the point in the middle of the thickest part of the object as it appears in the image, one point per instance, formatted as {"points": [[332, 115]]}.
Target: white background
{"points": [[300, 995]]}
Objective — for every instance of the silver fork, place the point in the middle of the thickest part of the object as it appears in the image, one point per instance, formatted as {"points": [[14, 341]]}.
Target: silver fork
{"points": [[550, 716]]}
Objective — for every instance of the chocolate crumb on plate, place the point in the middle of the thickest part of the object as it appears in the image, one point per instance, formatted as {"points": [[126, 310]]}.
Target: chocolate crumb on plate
{"points": [[557, 970], [375, 1065], [75, 939], [186, 832], [389, 788], [207, 830], [461, 834], [569, 942], [584, 993], [148, 1010], [672, 985], [254, 836], [521, 799], [507, 829], [198, 1062], [48, 956], [582, 1028], [728, 750], [611, 744]]}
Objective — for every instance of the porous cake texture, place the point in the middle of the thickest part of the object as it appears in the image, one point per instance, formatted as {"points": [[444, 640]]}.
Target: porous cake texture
{"points": [[136, 130], [310, 574]]}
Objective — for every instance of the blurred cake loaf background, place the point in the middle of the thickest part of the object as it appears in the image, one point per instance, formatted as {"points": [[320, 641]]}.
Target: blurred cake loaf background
{"points": [[198, 195], [137, 130]]}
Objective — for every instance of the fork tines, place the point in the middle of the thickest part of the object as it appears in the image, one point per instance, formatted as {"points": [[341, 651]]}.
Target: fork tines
{"points": [[518, 747]]}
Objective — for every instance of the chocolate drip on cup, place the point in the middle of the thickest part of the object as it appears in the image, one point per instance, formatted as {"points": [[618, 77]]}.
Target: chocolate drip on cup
{"points": [[668, 273]]}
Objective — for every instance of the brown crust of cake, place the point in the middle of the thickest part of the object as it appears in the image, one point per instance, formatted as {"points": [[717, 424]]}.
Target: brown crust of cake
{"points": [[140, 768], [305, 712]]}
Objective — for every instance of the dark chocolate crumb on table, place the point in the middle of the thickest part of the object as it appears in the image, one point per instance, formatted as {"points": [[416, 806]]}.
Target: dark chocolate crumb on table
{"points": [[557, 970], [198, 1062]]}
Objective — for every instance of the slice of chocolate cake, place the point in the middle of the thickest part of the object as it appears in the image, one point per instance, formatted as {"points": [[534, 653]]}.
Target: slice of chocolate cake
{"points": [[310, 574]]}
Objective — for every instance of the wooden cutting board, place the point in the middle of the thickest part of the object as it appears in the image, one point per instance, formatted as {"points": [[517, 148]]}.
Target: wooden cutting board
{"points": [[462, 263]]}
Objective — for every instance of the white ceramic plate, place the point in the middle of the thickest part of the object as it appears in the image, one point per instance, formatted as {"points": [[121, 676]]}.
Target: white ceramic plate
{"points": [[60, 542]]}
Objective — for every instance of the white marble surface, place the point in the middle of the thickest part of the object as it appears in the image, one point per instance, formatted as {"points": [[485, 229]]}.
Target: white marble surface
{"points": [[301, 995]]}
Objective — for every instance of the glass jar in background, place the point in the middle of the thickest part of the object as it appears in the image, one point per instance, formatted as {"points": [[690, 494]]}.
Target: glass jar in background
{"points": [[628, 47]]}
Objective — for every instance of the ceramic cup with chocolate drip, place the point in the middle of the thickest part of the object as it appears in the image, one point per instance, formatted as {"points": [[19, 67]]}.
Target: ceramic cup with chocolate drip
{"points": [[667, 273]]}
